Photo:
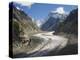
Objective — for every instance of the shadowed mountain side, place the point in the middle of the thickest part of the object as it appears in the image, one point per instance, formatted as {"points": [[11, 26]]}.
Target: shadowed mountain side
{"points": [[54, 18], [21, 22], [22, 28], [70, 25]]}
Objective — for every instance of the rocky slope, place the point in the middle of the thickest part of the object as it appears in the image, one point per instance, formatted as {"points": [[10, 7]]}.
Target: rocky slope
{"points": [[22, 23], [22, 27], [70, 25], [54, 18]]}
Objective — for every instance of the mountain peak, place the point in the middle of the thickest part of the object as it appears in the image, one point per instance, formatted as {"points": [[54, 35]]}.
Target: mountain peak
{"points": [[56, 12], [59, 10]]}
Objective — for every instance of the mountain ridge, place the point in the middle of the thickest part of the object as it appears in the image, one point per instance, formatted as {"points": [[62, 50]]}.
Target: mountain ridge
{"points": [[53, 19]]}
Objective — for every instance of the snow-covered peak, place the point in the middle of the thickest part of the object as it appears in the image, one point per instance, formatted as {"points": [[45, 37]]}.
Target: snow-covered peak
{"points": [[59, 10], [58, 13]]}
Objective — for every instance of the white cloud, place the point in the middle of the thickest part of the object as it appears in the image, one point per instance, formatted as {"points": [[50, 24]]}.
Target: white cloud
{"points": [[38, 22], [23, 3], [33, 19], [59, 10]]}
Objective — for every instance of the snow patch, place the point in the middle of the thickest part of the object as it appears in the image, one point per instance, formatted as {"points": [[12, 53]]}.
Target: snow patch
{"points": [[19, 8], [59, 10]]}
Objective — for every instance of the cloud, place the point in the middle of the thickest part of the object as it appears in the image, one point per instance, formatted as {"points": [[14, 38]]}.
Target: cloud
{"points": [[23, 3], [38, 22], [60, 10]]}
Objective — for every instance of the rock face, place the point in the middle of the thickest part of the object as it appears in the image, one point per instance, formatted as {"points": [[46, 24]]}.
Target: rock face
{"points": [[70, 25], [22, 24], [62, 22], [54, 18]]}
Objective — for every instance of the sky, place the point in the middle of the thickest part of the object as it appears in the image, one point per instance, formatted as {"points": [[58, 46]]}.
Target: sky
{"points": [[40, 11]]}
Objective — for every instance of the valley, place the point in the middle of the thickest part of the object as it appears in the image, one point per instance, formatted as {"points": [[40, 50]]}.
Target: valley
{"points": [[58, 35]]}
